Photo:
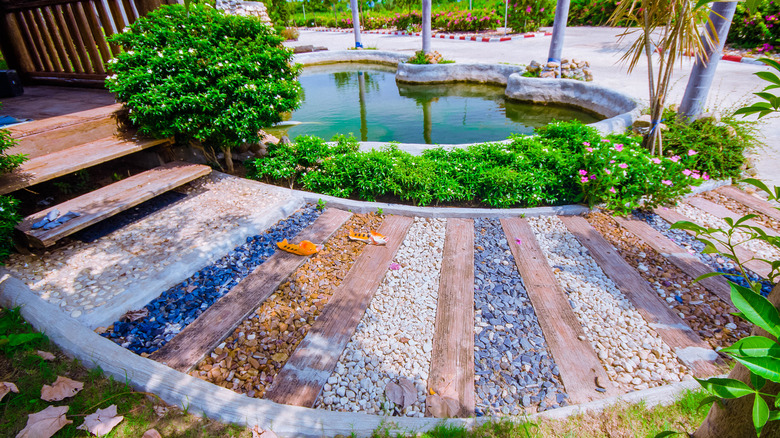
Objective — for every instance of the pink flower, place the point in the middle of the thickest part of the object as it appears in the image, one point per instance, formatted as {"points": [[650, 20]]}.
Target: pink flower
{"points": [[583, 172], [541, 10], [608, 172], [593, 177], [656, 160], [687, 172], [585, 143], [675, 158], [589, 149], [518, 241], [691, 152], [623, 166], [395, 266], [618, 147], [605, 140], [584, 179], [695, 175], [528, 10], [705, 176], [611, 161], [612, 190], [667, 182]]}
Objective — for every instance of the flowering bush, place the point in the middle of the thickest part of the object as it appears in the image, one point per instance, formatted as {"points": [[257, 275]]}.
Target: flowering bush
{"points": [[530, 15], [404, 21], [8, 214], [203, 75], [758, 28], [465, 21], [590, 12]]}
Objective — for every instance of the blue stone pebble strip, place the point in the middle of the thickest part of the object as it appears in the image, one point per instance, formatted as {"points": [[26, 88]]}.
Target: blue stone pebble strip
{"points": [[182, 304], [513, 367], [716, 262]]}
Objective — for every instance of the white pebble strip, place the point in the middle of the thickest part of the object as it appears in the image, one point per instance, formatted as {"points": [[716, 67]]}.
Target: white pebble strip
{"points": [[633, 354], [394, 338], [701, 217]]}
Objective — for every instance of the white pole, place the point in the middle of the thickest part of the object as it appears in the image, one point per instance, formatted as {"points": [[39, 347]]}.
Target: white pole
{"points": [[356, 23], [304, 13], [506, 14]]}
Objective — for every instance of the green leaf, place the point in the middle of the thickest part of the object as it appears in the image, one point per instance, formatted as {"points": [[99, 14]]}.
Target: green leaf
{"points": [[757, 381], [774, 415], [666, 433], [754, 346], [766, 367], [760, 413], [689, 226], [769, 77], [726, 388], [708, 275], [709, 400], [756, 309], [770, 62]]}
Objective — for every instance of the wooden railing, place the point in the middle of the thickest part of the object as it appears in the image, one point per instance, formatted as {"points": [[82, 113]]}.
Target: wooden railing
{"points": [[64, 42]]}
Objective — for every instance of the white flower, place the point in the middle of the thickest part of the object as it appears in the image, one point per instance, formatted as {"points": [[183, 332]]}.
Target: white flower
{"points": [[126, 29], [149, 71], [130, 52], [160, 54], [191, 50]]}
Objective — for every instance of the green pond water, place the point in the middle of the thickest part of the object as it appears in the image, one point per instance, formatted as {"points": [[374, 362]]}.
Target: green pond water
{"points": [[366, 101]]}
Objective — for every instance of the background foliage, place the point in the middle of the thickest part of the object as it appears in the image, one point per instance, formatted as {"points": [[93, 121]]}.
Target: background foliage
{"points": [[9, 216]]}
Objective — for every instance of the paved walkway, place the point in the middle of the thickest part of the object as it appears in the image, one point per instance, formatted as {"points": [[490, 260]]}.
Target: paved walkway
{"points": [[731, 88]]}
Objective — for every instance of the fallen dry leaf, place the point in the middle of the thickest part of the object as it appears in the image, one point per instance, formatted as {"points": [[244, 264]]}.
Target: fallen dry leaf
{"points": [[135, 315], [152, 433], [262, 433], [61, 389], [410, 392], [394, 393], [280, 357], [102, 421], [45, 355], [441, 407], [6, 387], [45, 423]]}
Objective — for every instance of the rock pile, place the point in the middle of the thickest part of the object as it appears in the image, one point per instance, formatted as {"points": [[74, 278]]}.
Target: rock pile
{"points": [[566, 69], [245, 8]]}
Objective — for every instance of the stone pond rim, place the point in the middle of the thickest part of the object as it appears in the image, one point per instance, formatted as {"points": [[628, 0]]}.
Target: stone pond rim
{"points": [[619, 109]]}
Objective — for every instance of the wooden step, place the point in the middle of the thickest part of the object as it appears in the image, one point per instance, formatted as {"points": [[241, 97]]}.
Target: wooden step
{"points": [[722, 212], [110, 200], [204, 334], [747, 257], [452, 357], [300, 381], [750, 201], [678, 256], [578, 364], [687, 345], [50, 166]]}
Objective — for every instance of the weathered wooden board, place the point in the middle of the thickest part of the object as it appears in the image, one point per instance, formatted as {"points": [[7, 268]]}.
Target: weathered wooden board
{"points": [[110, 200], [688, 346], [677, 256], [452, 358], [750, 201], [723, 212], [300, 381], [577, 362], [759, 267], [61, 163], [193, 343]]}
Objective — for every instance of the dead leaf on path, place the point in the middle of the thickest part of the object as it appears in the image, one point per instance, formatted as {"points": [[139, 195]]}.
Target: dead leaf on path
{"points": [[135, 315], [410, 392], [262, 433], [152, 433], [61, 389], [102, 421], [280, 357], [45, 355], [45, 423], [6, 387], [441, 407], [394, 393]]}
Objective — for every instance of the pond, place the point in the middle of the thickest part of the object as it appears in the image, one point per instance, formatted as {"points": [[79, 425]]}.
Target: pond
{"points": [[366, 101]]}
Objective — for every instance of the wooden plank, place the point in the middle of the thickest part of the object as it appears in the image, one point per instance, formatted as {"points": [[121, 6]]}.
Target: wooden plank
{"points": [[67, 38], [722, 212], [16, 44], [203, 335], [677, 256], [91, 42], [688, 346], [78, 40], [37, 39], [759, 267], [750, 201], [96, 29], [110, 200], [103, 12], [452, 357], [300, 381], [56, 39], [61, 163], [48, 42], [578, 364]]}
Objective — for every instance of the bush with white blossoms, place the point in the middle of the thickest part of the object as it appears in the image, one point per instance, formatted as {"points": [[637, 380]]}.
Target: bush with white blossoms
{"points": [[8, 214], [202, 76]]}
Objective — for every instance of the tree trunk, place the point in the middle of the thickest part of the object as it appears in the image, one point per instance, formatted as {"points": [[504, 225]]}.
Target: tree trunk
{"points": [[228, 160], [426, 26], [558, 31], [736, 420]]}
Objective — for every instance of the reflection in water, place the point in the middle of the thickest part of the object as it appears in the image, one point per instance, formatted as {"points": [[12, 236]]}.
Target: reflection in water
{"points": [[387, 111]]}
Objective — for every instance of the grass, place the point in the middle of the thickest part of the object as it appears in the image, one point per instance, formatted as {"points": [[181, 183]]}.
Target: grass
{"points": [[22, 366]]}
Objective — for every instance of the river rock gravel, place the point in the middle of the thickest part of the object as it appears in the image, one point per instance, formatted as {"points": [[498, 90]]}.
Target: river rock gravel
{"points": [[394, 338], [514, 371], [632, 353]]}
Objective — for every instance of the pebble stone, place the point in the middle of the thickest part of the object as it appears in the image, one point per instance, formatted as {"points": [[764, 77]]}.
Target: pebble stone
{"points": [[80, 274], [633, 354], [251, 357], [394, 338], [177, 307], [514, 371]]}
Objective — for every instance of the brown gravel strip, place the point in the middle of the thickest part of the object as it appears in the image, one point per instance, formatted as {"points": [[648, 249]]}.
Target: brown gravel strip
{"points": [[248, 361], [702, 310], [740, 209]]}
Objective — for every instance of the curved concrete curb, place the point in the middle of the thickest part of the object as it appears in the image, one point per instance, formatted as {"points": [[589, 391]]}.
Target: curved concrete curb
{"points": [[221, 404], [443, 73], [365, 56]]}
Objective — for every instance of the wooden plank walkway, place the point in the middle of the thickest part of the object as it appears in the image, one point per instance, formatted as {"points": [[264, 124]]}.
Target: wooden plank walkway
{"points": [[50, 166], [452, 358], [677, 255], [110, 200], [750, 201], [577, 362], [759, 267], [300, 381], [688, 346], [723, 212], [199, 338]]}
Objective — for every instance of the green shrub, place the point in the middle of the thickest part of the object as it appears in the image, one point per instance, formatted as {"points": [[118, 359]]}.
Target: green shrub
{"points": [[529, 15], [203, 76], [9, 216]]}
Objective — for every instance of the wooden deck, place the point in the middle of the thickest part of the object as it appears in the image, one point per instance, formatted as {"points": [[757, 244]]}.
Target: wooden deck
{"points": [[42, 102]]}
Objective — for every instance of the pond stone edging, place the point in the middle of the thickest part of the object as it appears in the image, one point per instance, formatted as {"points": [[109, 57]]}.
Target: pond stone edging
{"points": [[442, 73]]}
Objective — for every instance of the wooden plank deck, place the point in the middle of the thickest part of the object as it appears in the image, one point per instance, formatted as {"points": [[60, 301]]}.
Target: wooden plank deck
{"points": [[723, 212], [452, 358], [199, 338], [61, 163], [688, 346], [750, 201], [577, 362], [300, 381], [110, 200], [678, 256], [759, 267]]}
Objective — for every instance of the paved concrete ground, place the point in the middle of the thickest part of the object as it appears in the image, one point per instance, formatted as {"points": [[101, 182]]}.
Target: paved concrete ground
{"points": [[731, 88]]}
